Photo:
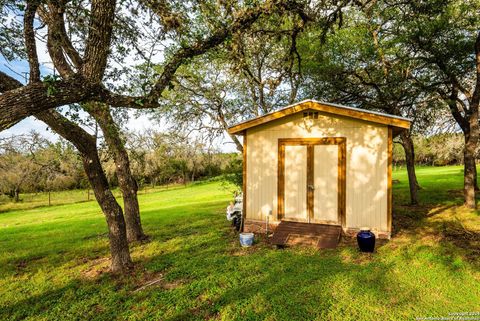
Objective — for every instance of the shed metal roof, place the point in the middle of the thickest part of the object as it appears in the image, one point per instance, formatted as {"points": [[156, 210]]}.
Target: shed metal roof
{"points": [[397, 122]]}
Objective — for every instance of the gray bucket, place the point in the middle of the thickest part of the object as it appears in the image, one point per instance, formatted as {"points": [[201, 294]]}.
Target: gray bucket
{"points": [[246, 239]]}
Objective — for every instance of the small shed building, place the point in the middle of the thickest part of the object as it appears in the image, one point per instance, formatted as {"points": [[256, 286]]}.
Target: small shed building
{"points": [[319, 163]]}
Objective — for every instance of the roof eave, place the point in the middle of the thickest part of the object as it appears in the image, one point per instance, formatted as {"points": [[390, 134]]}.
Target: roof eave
{"points": [[378, 118]]}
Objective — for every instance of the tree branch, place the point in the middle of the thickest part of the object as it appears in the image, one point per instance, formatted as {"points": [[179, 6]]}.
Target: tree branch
{"points": [[29, 100], [83, 141], [242, 22], [58, 24], [54, 42], [453, 79], [29, 35], [8, 83], [99, 39], [476, 93], [86, 86]]}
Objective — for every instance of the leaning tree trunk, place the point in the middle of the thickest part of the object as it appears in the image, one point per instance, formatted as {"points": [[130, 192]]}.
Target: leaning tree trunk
{"points": [[409, 149], [85, 143], [471, 140], [127, 183], [237, 143], [121, 261], [223, 122]]}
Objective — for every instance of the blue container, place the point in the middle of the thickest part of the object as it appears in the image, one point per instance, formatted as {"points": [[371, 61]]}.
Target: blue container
{"points": [[246, 239], [366, 240]]}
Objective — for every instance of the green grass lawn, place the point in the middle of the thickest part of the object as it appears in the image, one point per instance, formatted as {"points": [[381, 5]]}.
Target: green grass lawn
{"points": [[54, 263]]}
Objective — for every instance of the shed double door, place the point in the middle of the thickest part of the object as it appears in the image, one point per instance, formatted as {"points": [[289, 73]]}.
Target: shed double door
{"points": [[312, 180]]}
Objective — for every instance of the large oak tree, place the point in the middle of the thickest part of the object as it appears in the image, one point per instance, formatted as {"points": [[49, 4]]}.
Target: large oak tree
{"points": [[93, 45]]}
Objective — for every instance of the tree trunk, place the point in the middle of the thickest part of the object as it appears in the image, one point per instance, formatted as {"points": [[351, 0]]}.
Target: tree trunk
{"points": [[470, 169], [17, 194], [86, 145], [127, 183], [409, 149], [237, 143], [475, 177], [121, 261]]}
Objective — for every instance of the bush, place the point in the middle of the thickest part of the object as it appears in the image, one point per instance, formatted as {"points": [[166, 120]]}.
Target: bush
{"points": [[233, 172]]}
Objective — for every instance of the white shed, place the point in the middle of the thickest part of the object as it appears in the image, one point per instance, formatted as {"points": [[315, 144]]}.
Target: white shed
{"points": [[319, 163]]}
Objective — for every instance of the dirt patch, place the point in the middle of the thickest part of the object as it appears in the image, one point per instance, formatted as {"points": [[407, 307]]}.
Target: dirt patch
{"points": [[436, 224], [457, 193], [22, 264], [96, 268], [456, 233]]}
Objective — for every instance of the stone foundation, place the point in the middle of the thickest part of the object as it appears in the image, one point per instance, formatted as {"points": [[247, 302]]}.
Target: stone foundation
{"points": [[352, 232], [258, 227]]}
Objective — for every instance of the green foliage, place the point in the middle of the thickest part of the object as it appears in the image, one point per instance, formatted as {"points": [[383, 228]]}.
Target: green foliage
{"points": [[11, 30], [50, 81], [388, 57], [233, 172]]}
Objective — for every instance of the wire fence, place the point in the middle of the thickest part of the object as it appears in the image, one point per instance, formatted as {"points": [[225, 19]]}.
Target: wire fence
{"points": [[39, 199]]}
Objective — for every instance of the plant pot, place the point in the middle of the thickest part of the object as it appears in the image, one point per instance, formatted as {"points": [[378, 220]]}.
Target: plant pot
{"points": [[246, 239], [366, 240]]}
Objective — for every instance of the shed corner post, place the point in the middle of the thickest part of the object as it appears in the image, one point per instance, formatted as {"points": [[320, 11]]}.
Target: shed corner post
{"points": [[389, 180], [244, 180]]}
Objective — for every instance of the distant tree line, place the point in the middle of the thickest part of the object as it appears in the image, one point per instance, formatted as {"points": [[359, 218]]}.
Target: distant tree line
{"points": [[158, 158], [436, 150], [31, 163]]}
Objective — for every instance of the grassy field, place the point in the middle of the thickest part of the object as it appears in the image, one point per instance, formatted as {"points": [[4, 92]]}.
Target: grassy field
{"points": [[34, 200], [54, 263]]}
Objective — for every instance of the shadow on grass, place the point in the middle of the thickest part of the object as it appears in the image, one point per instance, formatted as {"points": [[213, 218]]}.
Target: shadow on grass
{"points": [[441, 221], [292, 284]]}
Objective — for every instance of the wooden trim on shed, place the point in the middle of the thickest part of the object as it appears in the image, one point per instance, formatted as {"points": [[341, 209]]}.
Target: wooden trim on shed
{"points": [[310, 181], [312, 141], [330, 109], [244, 179], [342, 182], [342, 168], [389, 178], [281, 181]]}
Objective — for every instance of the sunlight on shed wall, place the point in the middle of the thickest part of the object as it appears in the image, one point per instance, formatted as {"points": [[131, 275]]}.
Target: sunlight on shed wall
{"points": [[366, 179]]}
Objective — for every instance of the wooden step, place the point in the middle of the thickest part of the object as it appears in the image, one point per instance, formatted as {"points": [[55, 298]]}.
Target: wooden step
{"points": [[294, 233]]}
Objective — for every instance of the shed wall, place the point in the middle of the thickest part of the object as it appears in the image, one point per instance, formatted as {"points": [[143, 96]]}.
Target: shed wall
{"points": [[367, 157]]}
